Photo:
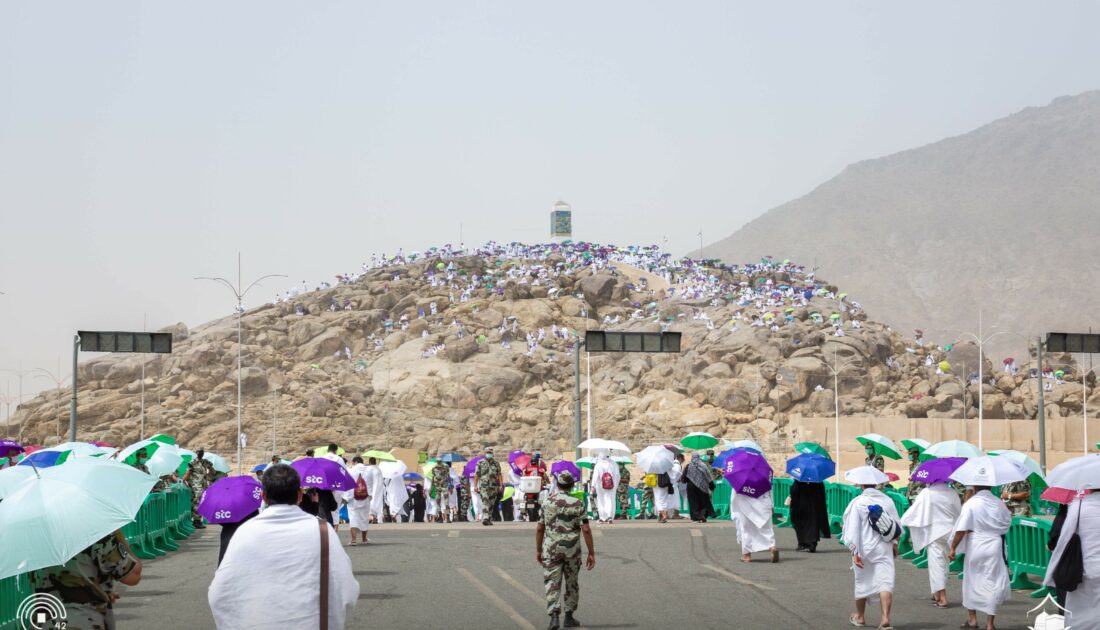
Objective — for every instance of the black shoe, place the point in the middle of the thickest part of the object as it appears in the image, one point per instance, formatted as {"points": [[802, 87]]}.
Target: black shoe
{"points": [[554, 622], [570, 621], [802, 548], [812, 549]]}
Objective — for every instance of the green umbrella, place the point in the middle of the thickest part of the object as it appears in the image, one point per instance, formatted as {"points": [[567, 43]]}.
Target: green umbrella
{"points": [[1017, 456], [698, 440], [883, 445], [381, 456], [915, 443], [950, 448], [163, 439], [47, 520], [812, 447], [586, 462], [318, 451], [187, 457]]}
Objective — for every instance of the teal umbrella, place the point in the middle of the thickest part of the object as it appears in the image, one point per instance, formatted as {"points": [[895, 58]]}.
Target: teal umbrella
{"points": [[950, 448], [11, 477], [47, 520], [218, 462], [698, 440], [881, 444]]}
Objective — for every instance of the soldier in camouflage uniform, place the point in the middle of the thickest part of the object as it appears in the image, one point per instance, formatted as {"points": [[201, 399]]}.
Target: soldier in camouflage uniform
{"points": [[490, 485], [1017, 497], [464, 500], [715, 473], [876, 460], [198, 481], [914, 486], [645, 509], [441, 486], [85, 584], [623, 492], [561, 525]]}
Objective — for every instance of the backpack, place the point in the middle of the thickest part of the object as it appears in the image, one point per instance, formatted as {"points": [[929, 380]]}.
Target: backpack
{"points": [[882, 523], [361, 492], [664, 481], [607, 481], [1070, 570]]}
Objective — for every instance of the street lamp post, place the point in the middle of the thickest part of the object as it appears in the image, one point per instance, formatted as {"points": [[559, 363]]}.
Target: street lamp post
{"points": [[58, 380], [835, 370], [981, 339], [20, 373], [239, 294]]}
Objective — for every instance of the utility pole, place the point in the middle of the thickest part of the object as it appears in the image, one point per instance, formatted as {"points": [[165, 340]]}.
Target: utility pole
{"points": [[1042, 411], [577, 394]]}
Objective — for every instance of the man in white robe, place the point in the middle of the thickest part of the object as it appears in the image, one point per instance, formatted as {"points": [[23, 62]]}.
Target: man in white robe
{"points": [[283, 541], [358, 510], [673, 506], [396, 495], [872, 555], [753, 516], [930, 520], [660, 502], [377, 492], [605, 470], [1082, 603], [983, 520]]}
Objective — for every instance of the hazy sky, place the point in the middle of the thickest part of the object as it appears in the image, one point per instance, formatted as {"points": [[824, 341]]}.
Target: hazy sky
{"points": [[144, 143]]}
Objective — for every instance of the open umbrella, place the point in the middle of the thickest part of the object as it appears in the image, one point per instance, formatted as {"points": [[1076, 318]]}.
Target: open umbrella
{"points": [[811, 467], [812, 447], [218, 462], [47, 520], [989, 471], [165, 460], [621, 459], [522, 462], [610, 445], [937, 470], [1017, 456], [950, 448], [257, 468], [866, 476], [230, 499], [1078, 473], [471, 466], [381, 456], [748, 473], [451, 458], [163, 438], [1054, 495], [323, 474], [563, 465], [655, 459], [10, 445], [319, 451], [509, 492], [883, 445], [393, 470], [44, 459], [749, 444], [698, 441], [915, 443], [411, 476], [587, 462], [512, 455], [13, 476], [186, 457]]}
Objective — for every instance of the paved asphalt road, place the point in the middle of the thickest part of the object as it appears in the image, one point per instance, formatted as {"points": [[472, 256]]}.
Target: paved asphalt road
{"points": [[647, 575]]}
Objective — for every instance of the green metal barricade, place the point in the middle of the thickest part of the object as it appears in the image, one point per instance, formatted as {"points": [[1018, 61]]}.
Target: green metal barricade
{"points": [[13, 590], [1026, 541], [186, 526], [721, 498], [157, 523], [905, 544], [781, 511], [837, 498]]}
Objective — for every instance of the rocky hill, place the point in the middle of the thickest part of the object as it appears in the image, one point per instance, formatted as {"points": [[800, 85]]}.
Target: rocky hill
{"points": [[1002, 219], [449, 351]]}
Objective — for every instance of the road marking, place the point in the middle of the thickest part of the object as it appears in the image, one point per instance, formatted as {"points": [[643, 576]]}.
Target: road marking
{"points": [[737, 578], [541, 601], [696, 533], [496, 600], [452, 533]]}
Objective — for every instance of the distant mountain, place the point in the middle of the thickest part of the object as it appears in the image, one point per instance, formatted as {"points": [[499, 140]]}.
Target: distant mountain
{"points": [[1005, 219]]}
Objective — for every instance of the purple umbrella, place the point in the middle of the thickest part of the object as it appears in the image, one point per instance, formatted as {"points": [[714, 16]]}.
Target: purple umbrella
{"points": [[512, 459], [562, 466], [471, 466], [7, 445], [937, 470], [323, 474], [748, 473], [230, 499]]}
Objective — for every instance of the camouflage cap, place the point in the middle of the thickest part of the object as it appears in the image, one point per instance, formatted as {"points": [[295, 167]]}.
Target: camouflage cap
{"points": [[565, 478]]}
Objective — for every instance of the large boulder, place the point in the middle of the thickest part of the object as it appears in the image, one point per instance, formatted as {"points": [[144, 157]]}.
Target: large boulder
{"points": [[253, 381], [459, 350], [598, 289]]}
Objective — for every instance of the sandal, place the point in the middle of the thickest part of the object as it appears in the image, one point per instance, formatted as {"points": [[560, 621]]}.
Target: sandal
{"points": [[852, 620], [775, 556], [939, 605], [967, 625]]}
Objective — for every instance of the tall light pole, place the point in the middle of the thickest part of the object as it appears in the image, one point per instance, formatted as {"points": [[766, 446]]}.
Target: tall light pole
{"points": [[20, 373], [835, 370], [239, 294], [981, 339], [274, 415], [58, 380]]}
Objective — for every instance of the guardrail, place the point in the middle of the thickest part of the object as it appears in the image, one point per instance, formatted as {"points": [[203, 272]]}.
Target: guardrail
{"points": [[1027, 552], [781, 493]]}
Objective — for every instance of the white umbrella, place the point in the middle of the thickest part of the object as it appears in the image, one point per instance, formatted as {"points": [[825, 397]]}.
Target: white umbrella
{"points": [[11, 477], [950, 448], [217, 461], [655, 459], [743, 444], [76, 449], [164, 461], [393, 470], [989, 471], [1016, 456], [1079, 473], [866, 476], [611, 445]]}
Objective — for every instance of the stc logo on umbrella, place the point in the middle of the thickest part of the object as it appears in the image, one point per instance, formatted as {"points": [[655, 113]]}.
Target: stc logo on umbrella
{"points": [[257, 494], [749, 490], [223, 515], [311, 479]]}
